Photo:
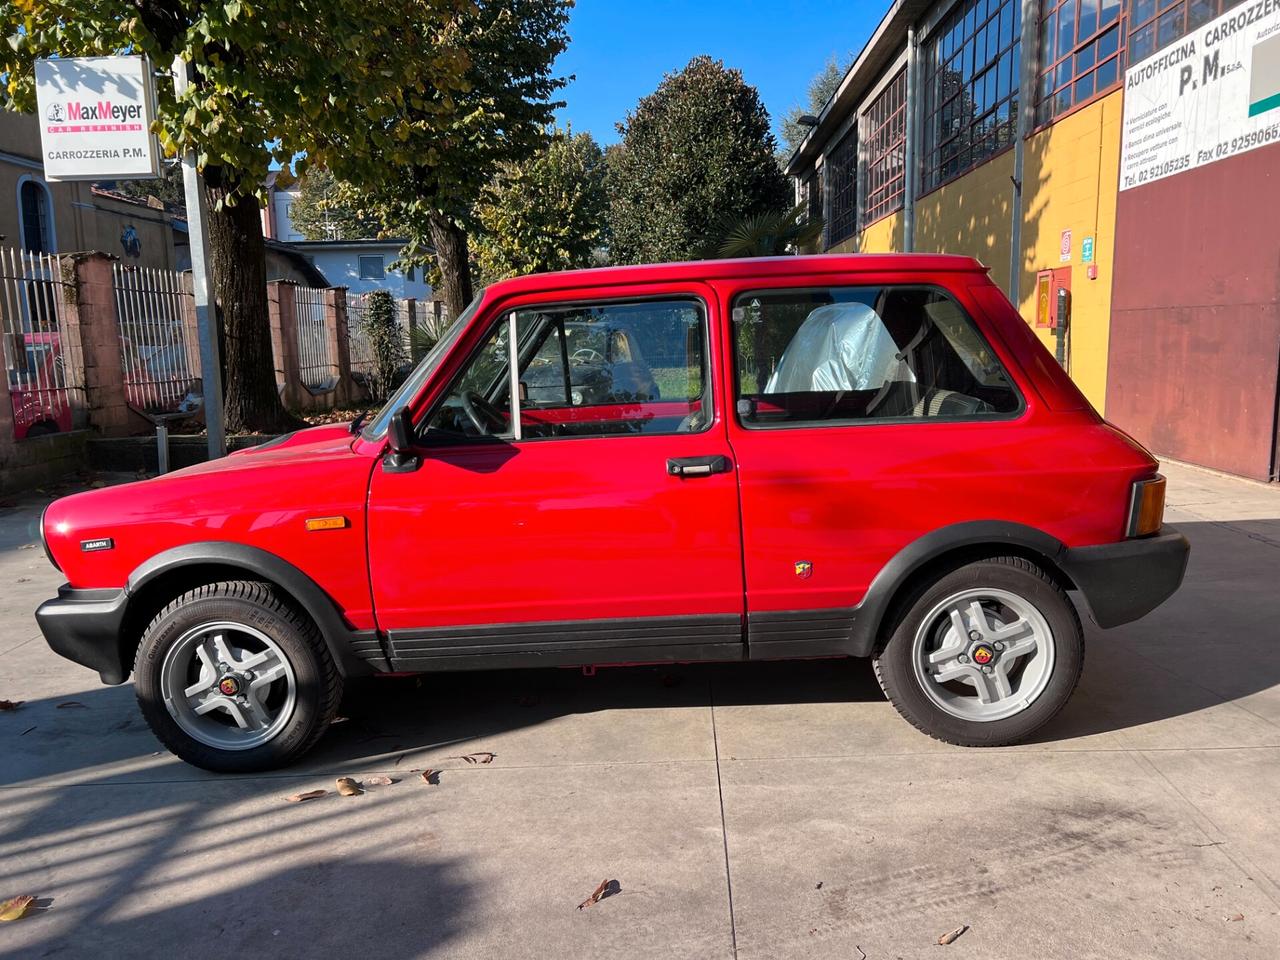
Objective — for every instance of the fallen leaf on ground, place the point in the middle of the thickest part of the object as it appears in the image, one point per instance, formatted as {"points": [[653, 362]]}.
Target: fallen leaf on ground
{"points": [[10, 704], [607, 888], [376, 782], [951, 937], [484, 756], [71, 703], [819, 886], [1234, 918], [16, 908], [23, 580], [348, 787], [27, 546], [431, 777], [309, 795]]}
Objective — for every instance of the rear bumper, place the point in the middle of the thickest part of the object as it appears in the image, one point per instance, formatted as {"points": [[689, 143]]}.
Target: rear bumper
{"points": [[84, 627], [1127, 580]]}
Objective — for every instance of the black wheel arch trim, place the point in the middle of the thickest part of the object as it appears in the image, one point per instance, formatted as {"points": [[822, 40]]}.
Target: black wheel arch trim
{"points": [[349, 647], [870, 613]]}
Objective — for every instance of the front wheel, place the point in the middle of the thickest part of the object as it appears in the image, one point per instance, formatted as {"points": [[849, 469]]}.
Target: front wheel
{"points": [[232, 678], [984, 656]]}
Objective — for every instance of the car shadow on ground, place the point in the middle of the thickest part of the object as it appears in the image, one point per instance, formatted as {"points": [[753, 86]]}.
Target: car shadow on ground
{"points": [[1214, 642]]}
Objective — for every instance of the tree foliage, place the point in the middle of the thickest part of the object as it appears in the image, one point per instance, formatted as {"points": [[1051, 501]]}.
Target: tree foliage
{"points": [[821, 89], [381, 331], [546, 212], [695, 151], [774, 233], [322, 212], [455, 142], [348, 83]]}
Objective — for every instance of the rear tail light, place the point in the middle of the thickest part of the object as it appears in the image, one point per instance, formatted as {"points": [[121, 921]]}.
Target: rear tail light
{"points": [[1146, 507]]}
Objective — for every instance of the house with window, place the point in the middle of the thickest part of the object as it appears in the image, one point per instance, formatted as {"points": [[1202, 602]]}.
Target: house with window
{"points": [[359, 265], [1116, 165]]}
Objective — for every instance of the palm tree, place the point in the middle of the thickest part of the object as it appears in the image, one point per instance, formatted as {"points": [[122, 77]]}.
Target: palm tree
{"points": [[772, 234]]}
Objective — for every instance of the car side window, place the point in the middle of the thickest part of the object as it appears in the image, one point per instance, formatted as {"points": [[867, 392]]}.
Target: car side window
{"points": [[585, 370], [851, 354]]}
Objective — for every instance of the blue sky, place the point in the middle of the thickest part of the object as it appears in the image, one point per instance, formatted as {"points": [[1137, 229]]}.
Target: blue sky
{"points": [[619, 49]]}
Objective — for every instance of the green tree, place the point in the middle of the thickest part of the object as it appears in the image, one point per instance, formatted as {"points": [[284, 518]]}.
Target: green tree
{"points": [[382, 333], [821, 89], [774, 233], [546, 212], [695, 151], [458, 140], [321, 212], [269, 79]]}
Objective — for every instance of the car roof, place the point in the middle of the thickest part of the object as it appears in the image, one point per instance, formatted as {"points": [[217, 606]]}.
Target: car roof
{"points": [[814, 265]]}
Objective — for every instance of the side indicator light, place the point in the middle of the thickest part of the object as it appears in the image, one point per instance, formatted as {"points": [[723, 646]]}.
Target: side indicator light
{"points": [[326, 523], [1146, 507]]}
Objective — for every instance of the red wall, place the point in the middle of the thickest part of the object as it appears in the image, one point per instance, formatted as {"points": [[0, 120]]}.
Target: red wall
{"points": [[1195, 325]]}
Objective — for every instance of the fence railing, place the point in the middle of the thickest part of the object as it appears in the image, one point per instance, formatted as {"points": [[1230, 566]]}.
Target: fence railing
{"points": [[363, 365], [159, 353], [43, 372], [317, 366]]}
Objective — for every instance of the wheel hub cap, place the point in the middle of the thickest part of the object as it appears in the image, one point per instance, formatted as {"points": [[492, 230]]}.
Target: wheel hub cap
{"points": [[983, 654], [229, 686]]}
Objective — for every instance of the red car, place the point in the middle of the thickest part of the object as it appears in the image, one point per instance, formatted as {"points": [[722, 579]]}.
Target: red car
{"points": [[37, 391], [866, 456]]}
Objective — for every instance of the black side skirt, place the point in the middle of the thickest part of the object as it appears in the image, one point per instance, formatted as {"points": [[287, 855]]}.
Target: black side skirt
{"points": [[568, 643]]}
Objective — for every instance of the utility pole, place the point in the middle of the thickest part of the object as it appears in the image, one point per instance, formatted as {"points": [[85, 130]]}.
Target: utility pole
{"points": [[202, 287]]}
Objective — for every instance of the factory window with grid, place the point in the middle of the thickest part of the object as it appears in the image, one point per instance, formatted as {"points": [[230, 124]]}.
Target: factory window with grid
{"points": [[1081, 53], [884, 131], [842, 167], [813, 195], [971, 65], [1154, 24]]}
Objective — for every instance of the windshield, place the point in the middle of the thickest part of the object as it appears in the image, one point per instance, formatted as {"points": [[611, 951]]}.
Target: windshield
{"points": [[376, 428]]}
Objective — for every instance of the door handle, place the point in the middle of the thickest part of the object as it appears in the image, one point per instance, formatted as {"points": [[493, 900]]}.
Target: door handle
{"points": [[697, 466]]}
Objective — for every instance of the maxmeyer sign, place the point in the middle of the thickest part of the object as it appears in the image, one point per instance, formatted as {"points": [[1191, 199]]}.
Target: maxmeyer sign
{"points": [[1213, 94], [95, 118]]}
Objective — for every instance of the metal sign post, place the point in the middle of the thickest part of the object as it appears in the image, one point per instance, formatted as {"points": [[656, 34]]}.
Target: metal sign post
{"points": [[202, 284]]}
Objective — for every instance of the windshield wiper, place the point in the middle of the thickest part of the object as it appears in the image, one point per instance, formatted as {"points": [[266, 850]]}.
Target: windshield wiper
{"points": [[357, 423]]}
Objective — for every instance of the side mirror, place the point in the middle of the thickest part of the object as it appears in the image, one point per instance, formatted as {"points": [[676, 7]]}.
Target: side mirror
{"points": [[401, 458]]}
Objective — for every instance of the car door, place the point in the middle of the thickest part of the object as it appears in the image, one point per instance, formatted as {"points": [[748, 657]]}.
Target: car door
{"points": [[868, 412], [594, 521]]}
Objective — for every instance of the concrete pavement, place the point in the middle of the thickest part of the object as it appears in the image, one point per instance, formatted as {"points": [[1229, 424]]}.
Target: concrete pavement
{"points": [[757, 810]]}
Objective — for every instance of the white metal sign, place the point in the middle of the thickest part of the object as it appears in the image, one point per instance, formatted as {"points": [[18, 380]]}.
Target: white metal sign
{"points": [[1213, 94], [95, 118]]}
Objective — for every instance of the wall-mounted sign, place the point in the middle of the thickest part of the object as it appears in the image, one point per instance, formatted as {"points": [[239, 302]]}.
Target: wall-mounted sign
{"points": [[1213, 94], [1086, 250], [95, 118], [1064, 254]]}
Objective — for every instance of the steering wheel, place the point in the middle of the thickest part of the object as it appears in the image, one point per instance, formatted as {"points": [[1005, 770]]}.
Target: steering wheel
{"points": [[482, 413], [587, 355]]}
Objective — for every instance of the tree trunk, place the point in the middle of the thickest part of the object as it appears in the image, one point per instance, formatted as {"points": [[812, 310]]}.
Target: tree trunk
{"points": [[251, 399], [450, 241]]}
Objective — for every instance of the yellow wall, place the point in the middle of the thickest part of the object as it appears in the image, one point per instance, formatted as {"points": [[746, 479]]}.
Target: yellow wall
{"points": [[1070, 176], [971, 216], [883, 236]]}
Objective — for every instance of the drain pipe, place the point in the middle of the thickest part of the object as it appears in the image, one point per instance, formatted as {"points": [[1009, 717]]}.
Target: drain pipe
{"points": [[909, 154], [1026, 117]]}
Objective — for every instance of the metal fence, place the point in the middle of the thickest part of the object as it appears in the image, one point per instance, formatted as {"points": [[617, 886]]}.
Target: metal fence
{"points": [[158, 350], [44, 371], [317, 366], [363, 366]]}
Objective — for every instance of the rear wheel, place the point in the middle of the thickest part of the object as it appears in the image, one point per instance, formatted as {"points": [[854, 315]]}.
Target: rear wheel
{"points": [[986, 655], [233, 678]]}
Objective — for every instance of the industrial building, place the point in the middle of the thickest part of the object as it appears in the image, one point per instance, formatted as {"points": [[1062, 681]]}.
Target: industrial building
{"points": [[1116, 164]]}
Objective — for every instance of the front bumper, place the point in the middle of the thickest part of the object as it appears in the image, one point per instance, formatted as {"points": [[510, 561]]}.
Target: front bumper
{"points": [[84, 626], [1127, 580]]}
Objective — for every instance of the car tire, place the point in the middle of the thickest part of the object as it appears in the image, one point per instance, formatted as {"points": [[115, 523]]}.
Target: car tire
{"points": [[252, 662], [935, 668]]}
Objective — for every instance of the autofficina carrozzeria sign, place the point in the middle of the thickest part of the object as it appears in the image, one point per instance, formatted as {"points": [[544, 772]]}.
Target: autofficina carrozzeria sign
{"points": [[1211, 95], [95, 118]]}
